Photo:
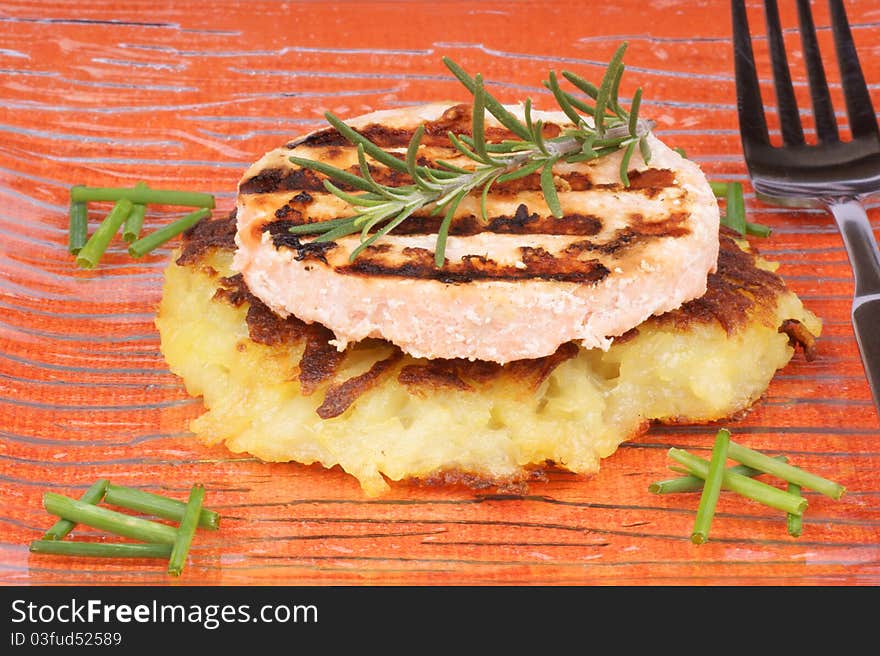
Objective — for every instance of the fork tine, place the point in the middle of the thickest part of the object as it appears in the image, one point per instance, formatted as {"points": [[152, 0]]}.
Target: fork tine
{"points": [[823, 110], [750, 107], [862, 121], [789, 118]]}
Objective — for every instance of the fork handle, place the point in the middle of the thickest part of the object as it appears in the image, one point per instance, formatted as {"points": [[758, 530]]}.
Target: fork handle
{"points": [[858, 238]]}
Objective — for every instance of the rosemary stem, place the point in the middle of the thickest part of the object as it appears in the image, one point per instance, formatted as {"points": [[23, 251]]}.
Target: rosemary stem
{"points": [[108, 520], [747, 487], [154, 504], [101, 549], [786, 472], [64, 526]]}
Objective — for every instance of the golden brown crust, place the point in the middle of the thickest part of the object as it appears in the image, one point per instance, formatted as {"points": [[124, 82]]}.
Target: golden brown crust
{"points": [[340, 397], [739, 291], [206, 235]]}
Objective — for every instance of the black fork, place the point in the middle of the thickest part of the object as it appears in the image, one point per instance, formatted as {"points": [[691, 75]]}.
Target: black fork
{"points": [[830, 173]]}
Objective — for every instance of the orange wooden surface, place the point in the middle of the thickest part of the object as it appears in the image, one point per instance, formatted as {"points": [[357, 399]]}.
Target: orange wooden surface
{"points": [[186, 95]]}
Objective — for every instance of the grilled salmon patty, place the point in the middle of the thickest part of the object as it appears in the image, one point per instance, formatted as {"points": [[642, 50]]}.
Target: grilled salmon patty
{"points": [[276, 388], [516, 286]]}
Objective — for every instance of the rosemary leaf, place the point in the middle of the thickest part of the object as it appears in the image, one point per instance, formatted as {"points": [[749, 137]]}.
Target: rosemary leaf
{"points": [[412, 153], [319, 227], [494, 107], [365, 200], [634, 112], [645, 148], [548, 186], [522, 172], [443, 232], [553, 84], [624, 163], [370, 148], [609, 82], [332, 172], [587, 87], [484, 215]]}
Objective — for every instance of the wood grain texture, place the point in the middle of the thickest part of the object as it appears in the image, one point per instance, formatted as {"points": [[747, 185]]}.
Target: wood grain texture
{"points": [[187, 95]]}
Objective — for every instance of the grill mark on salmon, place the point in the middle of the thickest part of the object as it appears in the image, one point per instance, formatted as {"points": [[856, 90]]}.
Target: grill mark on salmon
{"points": [[305, 250], [419, 263], [521, 222]]}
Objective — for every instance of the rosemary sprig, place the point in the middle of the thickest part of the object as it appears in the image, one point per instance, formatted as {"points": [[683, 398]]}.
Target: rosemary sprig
{"points": [[381, 208]]}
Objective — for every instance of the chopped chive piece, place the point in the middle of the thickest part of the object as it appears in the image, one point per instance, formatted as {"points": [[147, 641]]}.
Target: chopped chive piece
{"points": [[758, 229], [90, 254], [142, 195], [64, 526], [154, 504], [186, 530], [101, 549], [747, 487], [786, 472], [734, 220], [735, 210], [712, 488], [78, 231], [794, 522], [719, 189], [155, 239], [134, 223], [108, 520], [695, 484]]}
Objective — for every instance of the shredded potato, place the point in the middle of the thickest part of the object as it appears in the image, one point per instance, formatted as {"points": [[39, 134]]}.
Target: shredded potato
{"points": [[493, 432]]}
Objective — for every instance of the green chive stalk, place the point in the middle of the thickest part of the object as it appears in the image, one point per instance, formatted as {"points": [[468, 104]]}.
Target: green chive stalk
{"points": [[712, 488], [159, 506], [142, 195], [108, 520], [734, 208], [186, 530], [78, 232], [101, 549], [690, 483], [794, 523], [93, 496], [747, 487], [90, 254], [736, 218], [786, 472], [155, 239], [134, 223]]}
